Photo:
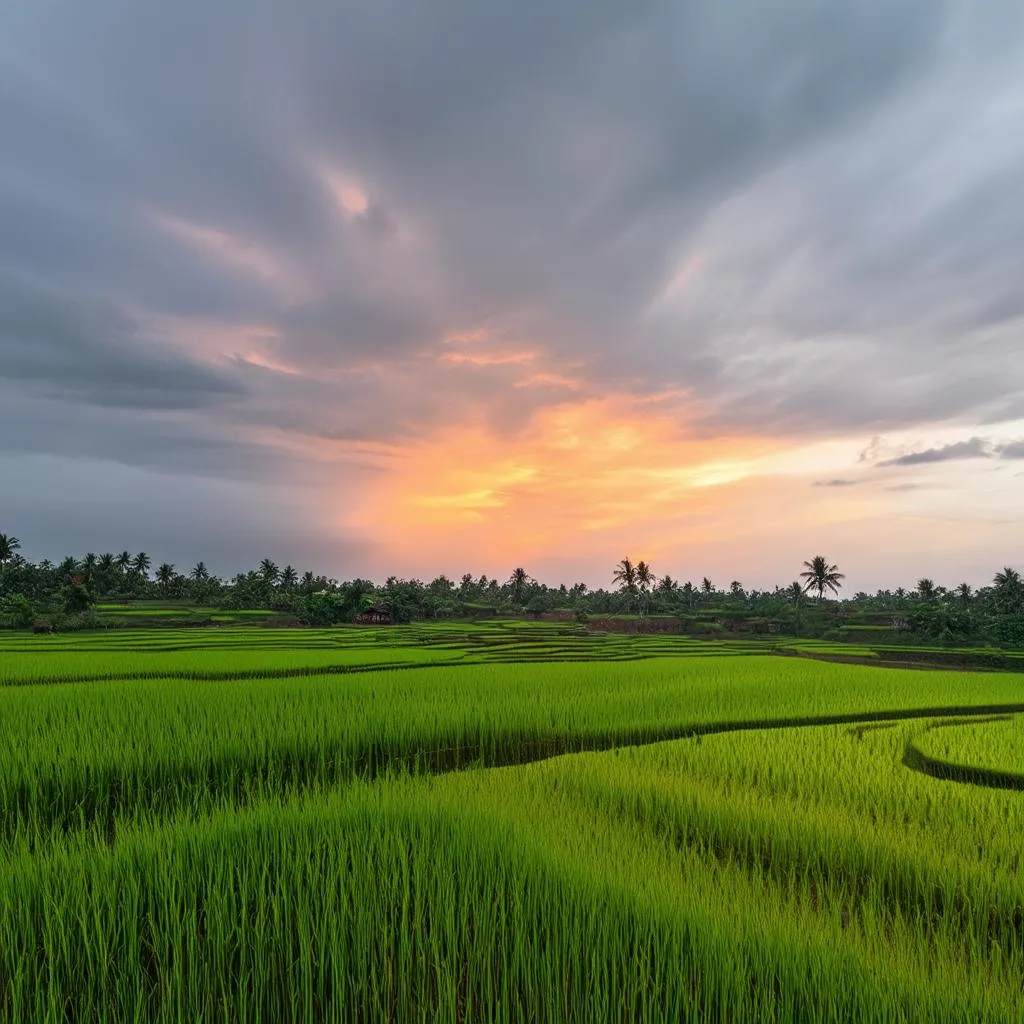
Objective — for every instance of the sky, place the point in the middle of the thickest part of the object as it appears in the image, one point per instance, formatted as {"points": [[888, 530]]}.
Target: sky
{"points": [[420, 287]]}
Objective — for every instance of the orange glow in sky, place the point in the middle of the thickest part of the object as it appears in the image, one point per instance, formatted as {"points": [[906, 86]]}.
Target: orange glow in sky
{"points": [[579, 476]]}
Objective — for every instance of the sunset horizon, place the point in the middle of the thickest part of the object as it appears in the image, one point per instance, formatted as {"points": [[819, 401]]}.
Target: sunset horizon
{"points": [[420, 295]]}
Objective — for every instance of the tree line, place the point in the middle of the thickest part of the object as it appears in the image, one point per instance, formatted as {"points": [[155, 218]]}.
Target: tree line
{"points": [[811, 604]]}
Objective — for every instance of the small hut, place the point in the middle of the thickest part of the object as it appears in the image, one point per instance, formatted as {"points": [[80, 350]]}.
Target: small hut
{"points": [[375, 616]]}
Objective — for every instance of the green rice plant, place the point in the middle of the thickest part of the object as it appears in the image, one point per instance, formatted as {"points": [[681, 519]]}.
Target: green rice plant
{"points": [[88, 754], [619, 828], [987, 753], [736, 878], [82, 666]]}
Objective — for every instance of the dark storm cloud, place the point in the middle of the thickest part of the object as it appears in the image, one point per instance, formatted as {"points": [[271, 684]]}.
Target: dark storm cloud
{"points": [[806, 221], [975, 448], [93, 353], [169, 443], [1013, 450]]}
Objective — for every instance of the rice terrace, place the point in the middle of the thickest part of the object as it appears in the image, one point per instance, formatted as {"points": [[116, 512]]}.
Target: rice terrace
{"points": [[505, 819], [511, 513]]}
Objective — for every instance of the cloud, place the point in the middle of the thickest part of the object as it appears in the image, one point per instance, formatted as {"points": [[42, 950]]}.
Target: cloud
{"points": [[836, 482], [242, 246], [975, 448], [94, 353], [1011, 450]]}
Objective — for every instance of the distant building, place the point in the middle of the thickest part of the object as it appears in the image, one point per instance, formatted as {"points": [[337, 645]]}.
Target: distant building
{"points": [[375, 617]]}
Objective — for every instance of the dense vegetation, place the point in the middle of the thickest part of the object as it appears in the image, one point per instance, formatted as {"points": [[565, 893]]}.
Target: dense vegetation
{"points": [[264, 824], [67, 594]]}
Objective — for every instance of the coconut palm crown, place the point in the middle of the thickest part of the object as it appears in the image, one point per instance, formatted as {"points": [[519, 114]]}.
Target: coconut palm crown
{"points": [[821, 576]]}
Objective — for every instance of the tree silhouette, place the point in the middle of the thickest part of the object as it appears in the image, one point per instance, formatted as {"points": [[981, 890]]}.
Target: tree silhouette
{"points": [[644, 582], [519, 581], [668, 586], [269, 571], [141, 564], [1009, 588], [625, 576], [165, 576], [795, 593], [106, 568], [820, 576], [926, 589], [8, 546]]}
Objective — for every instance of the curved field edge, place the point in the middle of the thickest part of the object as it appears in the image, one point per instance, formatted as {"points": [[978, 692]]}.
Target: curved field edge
{"points": [[970, 760], [92, 756], [415, 901]]}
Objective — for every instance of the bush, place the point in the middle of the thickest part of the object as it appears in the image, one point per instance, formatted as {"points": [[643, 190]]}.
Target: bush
{"points": [[17, 611], [327, 608], [75, 599], [78, 621]]}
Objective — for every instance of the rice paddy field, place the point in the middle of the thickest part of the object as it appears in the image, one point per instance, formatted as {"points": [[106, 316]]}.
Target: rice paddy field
{"points": [[502, 822]]}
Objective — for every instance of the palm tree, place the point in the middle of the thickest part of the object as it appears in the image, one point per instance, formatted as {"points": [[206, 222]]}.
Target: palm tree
{"points": [[1009, 587], [963, 592], [625, 576], [644, 582], [89, 564], [141, 564], [795, 593], [8, 546], [689, 594], [199, 573], [519, 581], [1007, 578], [105, 570], [625, 573], [926, 589], [123, 562], [289, 577], [269, 571], [736, 590], [667, 585], [707, 588], [165, 576], [819, 575]]}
